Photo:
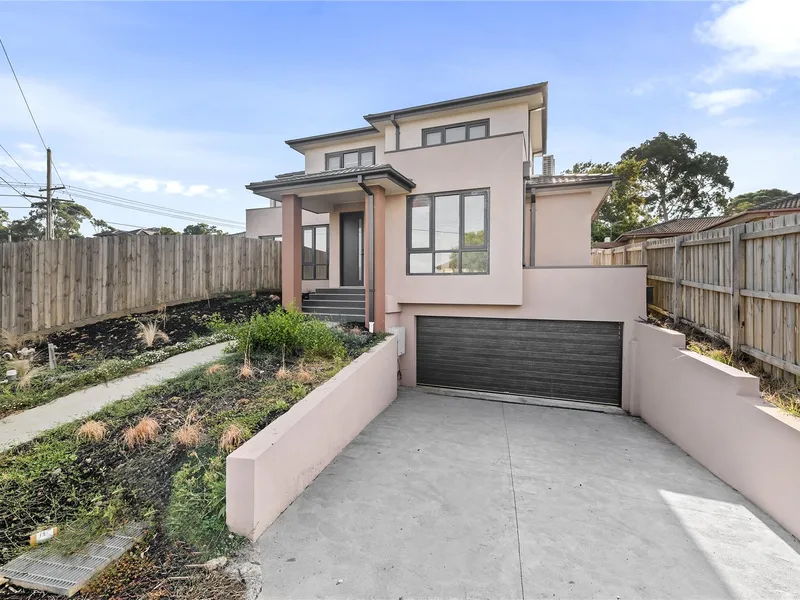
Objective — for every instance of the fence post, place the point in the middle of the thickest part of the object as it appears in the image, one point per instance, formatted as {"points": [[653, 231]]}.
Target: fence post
{"points": [[644, 253], [677, 274], [737, 283]]}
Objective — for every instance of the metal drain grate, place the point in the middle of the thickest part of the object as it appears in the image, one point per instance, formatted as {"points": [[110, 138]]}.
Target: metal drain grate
{"points": [[48, 570]]}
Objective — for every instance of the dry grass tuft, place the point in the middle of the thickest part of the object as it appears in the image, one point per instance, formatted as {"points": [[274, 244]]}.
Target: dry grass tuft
{"points": [[283, 373], [246, 370], [303, 375], [233, 437], [144, 432], [11, 340], [24, 381], [242, 402], [20, 365], [92, 431], [215, 368], [149, 333], [188, 435]]}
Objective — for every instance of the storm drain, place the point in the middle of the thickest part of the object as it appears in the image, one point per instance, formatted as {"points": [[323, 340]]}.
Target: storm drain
{"points": [[48, 570]]}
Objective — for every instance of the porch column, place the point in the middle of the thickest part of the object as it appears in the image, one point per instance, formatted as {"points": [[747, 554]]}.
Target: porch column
{"points": [[375, 271], [291, 250]]}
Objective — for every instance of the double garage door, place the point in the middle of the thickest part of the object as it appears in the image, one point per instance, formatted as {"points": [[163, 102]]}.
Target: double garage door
{"points": [[573, 360]]}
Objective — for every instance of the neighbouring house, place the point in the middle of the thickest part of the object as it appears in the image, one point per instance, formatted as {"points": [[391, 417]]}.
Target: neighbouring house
{"points": [[430, 222], [765, 210], [140, 231], [667, 229]]}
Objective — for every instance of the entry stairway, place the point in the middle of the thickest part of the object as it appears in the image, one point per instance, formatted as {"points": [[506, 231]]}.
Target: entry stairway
{"points": [[342, 305]]}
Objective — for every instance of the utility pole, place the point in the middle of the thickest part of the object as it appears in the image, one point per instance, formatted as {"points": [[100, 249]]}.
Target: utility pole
{"points": [[49, 234]]}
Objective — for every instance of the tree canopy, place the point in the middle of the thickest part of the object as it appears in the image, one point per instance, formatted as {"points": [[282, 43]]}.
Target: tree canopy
{"points": [[67, 219], [750, 199], [625, 208], [679, 182], [202, 229]]}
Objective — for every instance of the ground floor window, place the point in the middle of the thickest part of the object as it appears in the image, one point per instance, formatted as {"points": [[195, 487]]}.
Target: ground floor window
{"points": [[316, 252]]}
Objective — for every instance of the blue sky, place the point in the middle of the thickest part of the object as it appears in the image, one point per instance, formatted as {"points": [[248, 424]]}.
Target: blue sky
{"points": [[181, 104]]}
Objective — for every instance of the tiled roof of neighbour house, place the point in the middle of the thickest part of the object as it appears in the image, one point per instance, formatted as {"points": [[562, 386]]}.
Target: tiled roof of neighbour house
{"points": [[333, 175], [674, 227], [568, 180], [787, 203], [141, 231]]}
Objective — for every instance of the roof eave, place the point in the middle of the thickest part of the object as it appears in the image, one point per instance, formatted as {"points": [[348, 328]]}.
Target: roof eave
{"points": [[278, 184], [301, 144]]}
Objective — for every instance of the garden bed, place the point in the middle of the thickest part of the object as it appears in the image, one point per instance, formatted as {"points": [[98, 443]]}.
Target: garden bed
{"points": [[159, 457], [776, 391], [112, 348]]}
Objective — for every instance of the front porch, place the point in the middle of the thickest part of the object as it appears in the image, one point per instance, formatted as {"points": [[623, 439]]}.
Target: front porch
{"points": [[355, 198]]}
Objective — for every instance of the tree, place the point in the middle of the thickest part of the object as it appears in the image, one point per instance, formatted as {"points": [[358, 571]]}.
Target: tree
{"points": [[100, 226], [743, 202], [67, 219], [677, 181], [202, 229], [624, 209], [3, 220], [167, 231]]}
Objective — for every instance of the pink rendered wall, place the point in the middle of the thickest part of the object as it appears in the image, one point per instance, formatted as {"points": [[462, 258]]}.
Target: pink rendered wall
{"points": [[715, 413], [269, 471], [585, 293]]}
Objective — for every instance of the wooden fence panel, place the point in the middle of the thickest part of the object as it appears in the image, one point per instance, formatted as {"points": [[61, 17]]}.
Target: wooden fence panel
{"points": [[46, 285], [738, 284]]}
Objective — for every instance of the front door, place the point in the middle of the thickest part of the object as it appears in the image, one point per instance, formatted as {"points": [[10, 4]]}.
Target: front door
{"points": [[352, 235]]}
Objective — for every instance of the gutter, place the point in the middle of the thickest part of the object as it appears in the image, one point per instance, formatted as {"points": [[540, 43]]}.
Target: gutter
{"points": [[371, 242]]}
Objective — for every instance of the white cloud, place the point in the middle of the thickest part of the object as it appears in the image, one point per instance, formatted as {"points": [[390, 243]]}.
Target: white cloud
{"points": [[719, 101], [757, 36]]}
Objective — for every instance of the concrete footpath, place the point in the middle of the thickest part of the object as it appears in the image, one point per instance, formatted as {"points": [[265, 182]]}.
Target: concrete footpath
{"points": [[21, 427]]}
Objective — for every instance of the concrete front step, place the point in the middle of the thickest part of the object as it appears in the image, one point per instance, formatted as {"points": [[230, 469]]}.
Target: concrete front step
{"points": [[339, 318], [334, 301]]}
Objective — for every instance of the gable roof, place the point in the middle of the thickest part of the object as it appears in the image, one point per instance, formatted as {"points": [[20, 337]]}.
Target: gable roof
{"points": [[786, 203], [674, 227]]}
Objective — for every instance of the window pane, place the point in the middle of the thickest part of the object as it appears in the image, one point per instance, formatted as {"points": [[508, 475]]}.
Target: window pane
{"points": [[308, 272], [446, 262], [350, 159], [433, 138], [420, 263], [477, 131], [475, 220], [322, 271], [367, 158], [334, 162], [446, 223], [474, 262], [420, 223], [455, 134], [321, 255], [308, 250]]}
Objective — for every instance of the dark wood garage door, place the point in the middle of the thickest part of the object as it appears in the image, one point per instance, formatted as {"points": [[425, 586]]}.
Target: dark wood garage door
{"points": [[573, 360]]}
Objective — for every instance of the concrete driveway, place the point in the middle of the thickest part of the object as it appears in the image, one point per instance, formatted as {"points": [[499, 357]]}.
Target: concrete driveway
{"points": [[443, 497]]}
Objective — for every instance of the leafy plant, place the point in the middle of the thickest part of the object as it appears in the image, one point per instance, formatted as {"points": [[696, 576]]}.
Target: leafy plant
{"points": [[196, 512]]}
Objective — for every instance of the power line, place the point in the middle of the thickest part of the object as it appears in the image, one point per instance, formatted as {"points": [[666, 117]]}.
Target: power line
{"points": [[14, 179], [12, 187], [16, 163], [156, 206], [30, 112]]}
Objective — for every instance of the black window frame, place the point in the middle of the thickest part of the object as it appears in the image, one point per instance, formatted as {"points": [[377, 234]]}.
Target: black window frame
{"points": [[442, 130], [340, 154], [316, 264], [431, 247]]}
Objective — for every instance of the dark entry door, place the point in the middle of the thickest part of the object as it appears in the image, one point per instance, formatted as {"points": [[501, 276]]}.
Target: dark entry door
{"points": [[573, 360], [352, 234]]}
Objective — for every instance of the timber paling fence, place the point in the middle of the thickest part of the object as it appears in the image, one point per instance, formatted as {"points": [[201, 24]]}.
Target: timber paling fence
{"points": [[738, 284], [47, 285]]}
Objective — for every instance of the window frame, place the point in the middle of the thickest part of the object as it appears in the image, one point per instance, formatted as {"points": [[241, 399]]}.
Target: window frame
{"points": [[305, 263], [340, 154], [442, 130], [463, 248]]}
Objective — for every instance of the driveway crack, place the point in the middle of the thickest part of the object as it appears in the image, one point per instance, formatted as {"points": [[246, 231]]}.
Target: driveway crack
{"points": [[514, 496]]}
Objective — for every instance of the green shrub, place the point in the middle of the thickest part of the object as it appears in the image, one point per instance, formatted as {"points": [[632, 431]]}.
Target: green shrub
{"points": [[196, 512]]}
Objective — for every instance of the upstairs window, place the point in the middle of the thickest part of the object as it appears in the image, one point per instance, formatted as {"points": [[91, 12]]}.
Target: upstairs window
{"points": [[448, 233], [460, 132], [363, 157]]}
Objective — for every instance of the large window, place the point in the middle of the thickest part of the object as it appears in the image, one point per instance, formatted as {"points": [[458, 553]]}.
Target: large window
{"points": [[448, 233], [315, 252], [458, 132], [363, 157]]}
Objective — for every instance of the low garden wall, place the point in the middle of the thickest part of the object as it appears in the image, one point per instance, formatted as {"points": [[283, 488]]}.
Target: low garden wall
{"points": [[269, 471], [715, 413]]}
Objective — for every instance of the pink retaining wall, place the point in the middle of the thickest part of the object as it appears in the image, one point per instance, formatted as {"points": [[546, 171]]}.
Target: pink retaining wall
{"points": [[269, 471], [715, 413]]}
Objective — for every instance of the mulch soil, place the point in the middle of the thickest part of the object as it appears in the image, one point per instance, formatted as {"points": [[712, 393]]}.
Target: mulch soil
{"points": [[119, 338]]}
